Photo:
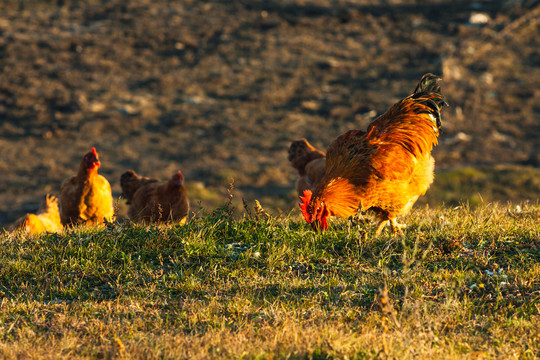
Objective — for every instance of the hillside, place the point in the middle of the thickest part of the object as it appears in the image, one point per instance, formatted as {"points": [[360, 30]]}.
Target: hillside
{"points": [[219, 89]]}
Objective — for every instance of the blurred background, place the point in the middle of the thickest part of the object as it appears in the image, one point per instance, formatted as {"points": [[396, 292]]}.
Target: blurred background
{"points": [[219, 89]]}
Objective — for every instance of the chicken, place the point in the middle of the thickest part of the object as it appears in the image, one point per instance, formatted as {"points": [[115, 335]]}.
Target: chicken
{"points": [[310, 163], [384, 169], [151, 200], [47, 218], [86, 198]]}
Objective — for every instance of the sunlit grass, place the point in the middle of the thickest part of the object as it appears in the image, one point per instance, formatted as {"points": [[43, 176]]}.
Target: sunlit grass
{"points": [[461, 283]]}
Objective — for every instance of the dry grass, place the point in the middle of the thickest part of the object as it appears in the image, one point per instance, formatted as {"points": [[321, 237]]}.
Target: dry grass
{"points": [[462, 283]]}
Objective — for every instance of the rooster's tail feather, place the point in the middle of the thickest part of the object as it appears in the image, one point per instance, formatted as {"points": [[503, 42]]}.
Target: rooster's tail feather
{"points": [[428, 93], [428, 83]]}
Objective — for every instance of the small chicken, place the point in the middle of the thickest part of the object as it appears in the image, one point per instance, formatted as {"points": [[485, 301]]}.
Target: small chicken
{"points": [[310, 163], [86, 198], [151, 200], [384, 169], [47, 218]]}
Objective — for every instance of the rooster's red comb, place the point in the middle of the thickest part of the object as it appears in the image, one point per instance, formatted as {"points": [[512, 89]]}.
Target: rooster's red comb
{"points": [[306, 199]]}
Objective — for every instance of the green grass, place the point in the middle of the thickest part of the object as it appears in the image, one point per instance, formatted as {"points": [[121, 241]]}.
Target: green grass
{"points": [[461, 283], [477, 185]]}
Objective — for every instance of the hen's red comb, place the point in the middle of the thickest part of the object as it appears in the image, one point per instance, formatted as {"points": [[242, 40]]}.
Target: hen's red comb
{"points": [[306, 199], [180, 176], [94, 152]]}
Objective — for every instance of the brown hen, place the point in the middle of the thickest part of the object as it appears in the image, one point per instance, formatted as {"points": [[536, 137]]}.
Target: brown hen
{"points": [[310, 163], [151, 200]]}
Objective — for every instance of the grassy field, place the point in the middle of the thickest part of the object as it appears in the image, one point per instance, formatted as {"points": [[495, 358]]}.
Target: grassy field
{"points": [[461, 283]]}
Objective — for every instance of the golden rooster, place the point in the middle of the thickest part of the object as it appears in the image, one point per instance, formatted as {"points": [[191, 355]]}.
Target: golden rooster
{"points": [[47, 218], [153, 200], [310, 163], [384, 169], [86, 197]]}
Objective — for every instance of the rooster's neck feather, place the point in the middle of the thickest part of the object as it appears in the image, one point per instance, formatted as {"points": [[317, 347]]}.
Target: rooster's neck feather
{"points": [[339, 195]]}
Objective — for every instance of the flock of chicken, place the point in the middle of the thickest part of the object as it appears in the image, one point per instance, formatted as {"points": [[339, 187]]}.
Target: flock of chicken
{"points": [[86, 199], [383, 169]]}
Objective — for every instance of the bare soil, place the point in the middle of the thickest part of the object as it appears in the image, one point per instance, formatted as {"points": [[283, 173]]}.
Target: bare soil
{"points": [[219, 89]]}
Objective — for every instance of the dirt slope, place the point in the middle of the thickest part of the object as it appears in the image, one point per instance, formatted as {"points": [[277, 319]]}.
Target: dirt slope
{"points": [[219, 89]]}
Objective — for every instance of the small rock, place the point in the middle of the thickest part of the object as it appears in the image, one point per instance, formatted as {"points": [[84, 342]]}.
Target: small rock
{"points": [[479, 18]]}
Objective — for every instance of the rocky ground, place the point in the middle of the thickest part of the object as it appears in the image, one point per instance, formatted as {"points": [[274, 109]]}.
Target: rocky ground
{"points": [[219, 89]]}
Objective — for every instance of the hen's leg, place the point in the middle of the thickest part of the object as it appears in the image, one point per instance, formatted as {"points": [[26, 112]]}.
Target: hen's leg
{"points": [[396, 228]]}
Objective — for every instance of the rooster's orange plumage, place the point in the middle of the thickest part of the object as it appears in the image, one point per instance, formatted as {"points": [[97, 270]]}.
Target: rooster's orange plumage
{"points": [[384, 169]]}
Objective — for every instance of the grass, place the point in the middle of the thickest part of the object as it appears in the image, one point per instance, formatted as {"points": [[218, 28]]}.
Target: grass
{"points": [[477, 185], [461, 283]]}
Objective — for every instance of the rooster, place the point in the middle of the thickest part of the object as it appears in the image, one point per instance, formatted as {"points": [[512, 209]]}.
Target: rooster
{"points": [[384, 169], [153, 200], [86, 198], [47, 218], [309, 162]]}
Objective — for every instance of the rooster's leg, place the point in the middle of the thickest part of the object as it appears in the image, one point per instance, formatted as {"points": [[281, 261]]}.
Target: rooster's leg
{"points": [[357, 219], [381, 226], [396, 228]]}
